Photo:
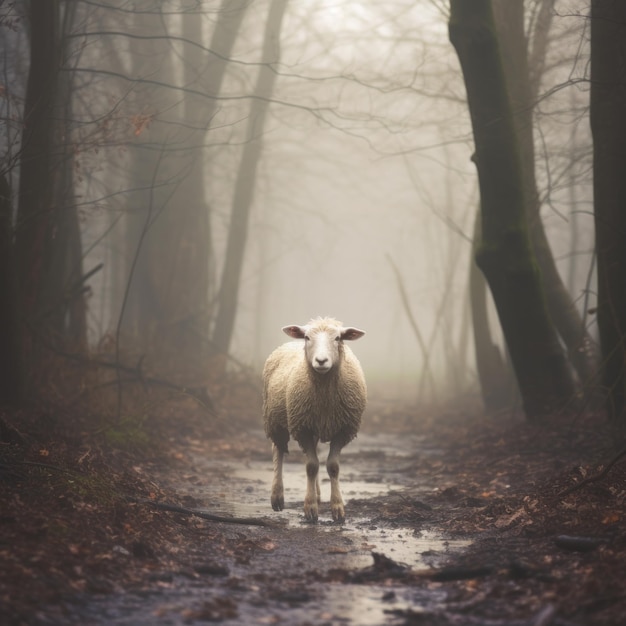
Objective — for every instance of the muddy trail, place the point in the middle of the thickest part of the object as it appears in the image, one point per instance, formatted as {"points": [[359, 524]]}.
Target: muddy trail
{"points": [[292, 571], [451, 519]]}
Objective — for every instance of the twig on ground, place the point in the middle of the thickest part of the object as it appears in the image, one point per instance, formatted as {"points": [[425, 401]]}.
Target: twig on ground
{"points": [[47, 466], [596, 477]]}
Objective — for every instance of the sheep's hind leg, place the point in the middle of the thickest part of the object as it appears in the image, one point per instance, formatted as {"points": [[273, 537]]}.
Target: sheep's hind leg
{"points": [[311, 497], [278, 496], [332, 466]]}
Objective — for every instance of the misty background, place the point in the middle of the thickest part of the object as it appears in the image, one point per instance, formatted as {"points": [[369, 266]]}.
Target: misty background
{"points": [[346, 125]]}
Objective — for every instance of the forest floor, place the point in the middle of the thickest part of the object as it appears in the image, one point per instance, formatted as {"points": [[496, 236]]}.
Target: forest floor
{"points": [[453, 518]]}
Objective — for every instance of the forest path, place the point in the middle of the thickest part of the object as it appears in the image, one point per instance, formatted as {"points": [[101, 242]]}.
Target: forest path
{"points": [[292, 572]]}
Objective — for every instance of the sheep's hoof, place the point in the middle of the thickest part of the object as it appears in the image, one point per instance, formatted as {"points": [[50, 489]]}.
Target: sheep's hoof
{"points": [[278, 503], [338, 512], [310, 512]]}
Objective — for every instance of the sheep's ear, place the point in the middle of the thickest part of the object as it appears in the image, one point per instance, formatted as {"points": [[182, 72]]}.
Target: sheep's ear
{"points": [[350, 334], [297, 332]]}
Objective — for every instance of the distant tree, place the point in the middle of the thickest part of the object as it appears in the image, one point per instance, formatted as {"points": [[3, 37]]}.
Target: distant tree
{"points": [[167, 222], [608, 126], [505, 253], [153, 178], [246, 177], [169, 240]]}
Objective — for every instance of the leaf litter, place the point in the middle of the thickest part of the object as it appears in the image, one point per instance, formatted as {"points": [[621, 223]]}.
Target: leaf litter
{"points": [[452, 519]]}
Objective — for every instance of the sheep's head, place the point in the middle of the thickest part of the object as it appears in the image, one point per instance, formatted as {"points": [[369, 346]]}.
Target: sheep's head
{"points": [[323, 341]]}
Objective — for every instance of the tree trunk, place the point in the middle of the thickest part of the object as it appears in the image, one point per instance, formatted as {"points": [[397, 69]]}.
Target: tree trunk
{"points": [[244, 186], [505, 255], [497, 383], [34, 231], [608, 126], [171, 282], [65, 287], [11, 377], [153, 178], [229, 20], [523, 81], [167, 312]]}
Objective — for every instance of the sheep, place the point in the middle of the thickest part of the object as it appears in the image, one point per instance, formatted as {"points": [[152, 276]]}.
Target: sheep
{"points": [[313, 392]]}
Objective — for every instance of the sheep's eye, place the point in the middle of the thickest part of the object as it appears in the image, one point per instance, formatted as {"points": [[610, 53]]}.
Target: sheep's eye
{"points": [[307, 338], [337, 338]]}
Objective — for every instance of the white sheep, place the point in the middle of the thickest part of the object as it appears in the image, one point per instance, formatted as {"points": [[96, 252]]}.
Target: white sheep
{"points": [[313, 392]]}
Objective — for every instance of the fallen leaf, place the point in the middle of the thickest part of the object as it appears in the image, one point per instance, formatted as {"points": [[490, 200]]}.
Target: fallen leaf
{"points": [[504, 521]]}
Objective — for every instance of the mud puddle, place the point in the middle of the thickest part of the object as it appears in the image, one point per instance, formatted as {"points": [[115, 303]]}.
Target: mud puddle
{"points": [[282, 580]]}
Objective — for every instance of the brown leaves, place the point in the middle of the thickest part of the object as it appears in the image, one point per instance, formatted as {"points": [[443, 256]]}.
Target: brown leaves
{"points": [[141, 122]]}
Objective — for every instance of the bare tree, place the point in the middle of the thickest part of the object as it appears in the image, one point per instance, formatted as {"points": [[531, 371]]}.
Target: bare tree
{"points": [[177, 82], [505, 254], [524, 58], [497, 384], [608, 125], [47, 240], [244, 187], [11, 369]]}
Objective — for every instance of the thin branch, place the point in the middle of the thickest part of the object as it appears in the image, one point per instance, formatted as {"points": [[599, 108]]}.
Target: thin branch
{"points": [[596, 477], [407, 309], [173, 508]]}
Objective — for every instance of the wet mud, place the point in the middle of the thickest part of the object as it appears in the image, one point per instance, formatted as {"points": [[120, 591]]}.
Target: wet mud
{"points": [[295, 572]]}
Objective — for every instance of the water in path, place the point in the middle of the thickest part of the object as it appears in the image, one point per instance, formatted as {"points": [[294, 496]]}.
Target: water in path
{"points": [[282, 582]]}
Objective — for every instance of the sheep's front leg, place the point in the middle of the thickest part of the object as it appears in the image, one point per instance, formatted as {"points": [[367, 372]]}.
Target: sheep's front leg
{"points": [[278, 495], [311, 497], [332, 466]]}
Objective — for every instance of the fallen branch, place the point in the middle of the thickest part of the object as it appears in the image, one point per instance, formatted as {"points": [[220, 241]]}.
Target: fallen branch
{"points": [[449, 574], [596, 477], [199, 394], [174, 508], [47, 466], [514, 570]]}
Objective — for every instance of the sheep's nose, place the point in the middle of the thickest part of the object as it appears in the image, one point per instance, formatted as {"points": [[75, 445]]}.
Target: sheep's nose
{"points": [[320, 361]]}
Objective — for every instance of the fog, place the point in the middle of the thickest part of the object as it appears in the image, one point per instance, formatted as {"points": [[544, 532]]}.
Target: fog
{"points": [[365, 165]]}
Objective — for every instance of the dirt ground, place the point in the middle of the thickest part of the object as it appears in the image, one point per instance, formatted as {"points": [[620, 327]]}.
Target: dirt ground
{"points": [[495, 521]]}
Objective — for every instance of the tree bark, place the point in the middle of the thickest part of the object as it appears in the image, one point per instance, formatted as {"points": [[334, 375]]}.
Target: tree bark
{"points": [[36, 213], [497, 383], [11, 371], [505, 254], [244, 186], [64, 286], [523, 69], [608, 126]]}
